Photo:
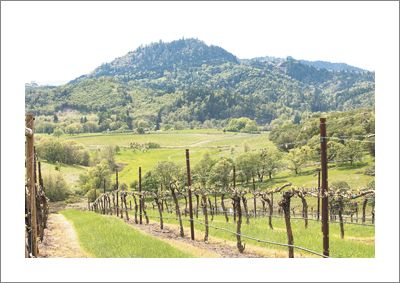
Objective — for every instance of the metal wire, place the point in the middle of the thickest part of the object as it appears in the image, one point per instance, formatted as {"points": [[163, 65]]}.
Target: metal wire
{"points": [[261, 241]]}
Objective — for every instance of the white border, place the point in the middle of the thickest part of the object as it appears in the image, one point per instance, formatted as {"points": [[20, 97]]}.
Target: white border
{"points": [[385, 267]]}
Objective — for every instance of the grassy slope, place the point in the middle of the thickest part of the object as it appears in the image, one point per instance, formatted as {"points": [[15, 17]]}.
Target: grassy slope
{"points": [[358, 242], [105, 237], [70, 172], [201, 141]]}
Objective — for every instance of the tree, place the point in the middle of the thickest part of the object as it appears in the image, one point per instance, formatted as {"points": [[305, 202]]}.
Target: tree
{"points": [[248, 164], [220, 174], [297, 158], [167, 172], [202, 171], [270, 162], [58, 132], [73, 128], [150, 182], [55, 118], [108, 153], [68, 152], [140, 131], [220, 177], [352, 151], [95, 177], [90, 127], [242, 124], [56, 187]]}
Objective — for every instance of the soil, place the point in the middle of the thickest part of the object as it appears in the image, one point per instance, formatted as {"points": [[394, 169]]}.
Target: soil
{"points": [[214, 247], [60, 239]]}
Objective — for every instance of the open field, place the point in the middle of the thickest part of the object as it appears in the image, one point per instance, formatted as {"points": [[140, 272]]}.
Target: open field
{"points": [[215, 142]]}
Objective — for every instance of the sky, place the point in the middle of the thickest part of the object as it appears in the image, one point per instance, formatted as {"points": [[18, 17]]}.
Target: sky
{"points": [[59, 41]]}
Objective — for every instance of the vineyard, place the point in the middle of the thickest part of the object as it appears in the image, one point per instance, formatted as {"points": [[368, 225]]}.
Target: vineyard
{"points": [[230, 205], [176, 195]]}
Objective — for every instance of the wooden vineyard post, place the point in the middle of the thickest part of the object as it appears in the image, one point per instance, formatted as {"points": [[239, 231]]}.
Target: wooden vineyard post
{"points": [[285, 204], [236, 200], [116, 182], [324, 187], [190, 195], [104, 196], [140, 195], [30, 173], [319, 194]]}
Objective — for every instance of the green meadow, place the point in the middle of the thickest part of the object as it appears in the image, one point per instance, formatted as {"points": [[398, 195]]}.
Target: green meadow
{"points": [[216, 142]]}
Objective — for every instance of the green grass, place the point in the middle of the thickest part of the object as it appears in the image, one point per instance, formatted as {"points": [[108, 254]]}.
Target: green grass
{"points": [[70, 172], [110, 237], [358, 241], [200, 141], [170, 138]]}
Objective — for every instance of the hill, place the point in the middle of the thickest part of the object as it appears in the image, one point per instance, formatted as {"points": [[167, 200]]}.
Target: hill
{"points": [[188, 82]]}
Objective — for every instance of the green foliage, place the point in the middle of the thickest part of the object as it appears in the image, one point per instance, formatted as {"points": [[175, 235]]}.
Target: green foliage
{"points": [[270, 161], [167, 172], [243, 124], [355, 124], [220, 174], [58, 132], [56, 187], [202, 171], [106, 153], [67, 152], [297, 158], [340, 186], [351, 152], [45, 127], [150, 182], [95, 177], [247, 165], [74, 128]]}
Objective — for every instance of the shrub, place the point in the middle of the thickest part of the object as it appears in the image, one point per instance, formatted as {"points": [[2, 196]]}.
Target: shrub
{"points": [[152, 145], [243, 124], [56, 187]]}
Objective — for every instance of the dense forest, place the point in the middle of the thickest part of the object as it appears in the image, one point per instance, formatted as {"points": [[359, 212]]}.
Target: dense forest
{"points": [[186, 83]]}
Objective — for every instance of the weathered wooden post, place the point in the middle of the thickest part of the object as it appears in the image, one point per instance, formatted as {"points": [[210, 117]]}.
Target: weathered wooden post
{"points": [[236, 200], [116, 184], [140, 196], [254, 199], [104, 197], [324, 188], [319, 194], [285, 204], [190, 195], [30, 174]]}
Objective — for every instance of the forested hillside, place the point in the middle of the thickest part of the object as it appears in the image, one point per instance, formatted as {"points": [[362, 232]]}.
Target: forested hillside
{"points": [[188, 83]]}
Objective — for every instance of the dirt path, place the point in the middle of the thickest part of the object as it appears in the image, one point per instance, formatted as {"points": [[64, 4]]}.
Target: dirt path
{"points": [[214, 248], [60, 239]]}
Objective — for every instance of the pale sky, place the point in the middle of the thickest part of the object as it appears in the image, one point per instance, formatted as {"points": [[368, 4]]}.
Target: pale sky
{"points": [[59, 41]]}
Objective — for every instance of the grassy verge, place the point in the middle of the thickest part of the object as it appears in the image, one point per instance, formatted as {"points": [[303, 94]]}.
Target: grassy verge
{"points": [[110, 237]]}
